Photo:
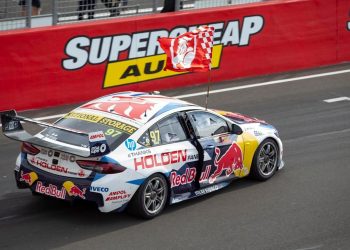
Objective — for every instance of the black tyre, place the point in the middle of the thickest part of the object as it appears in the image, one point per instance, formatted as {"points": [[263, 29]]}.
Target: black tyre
{"points": [[151, 198], [265, 160]]}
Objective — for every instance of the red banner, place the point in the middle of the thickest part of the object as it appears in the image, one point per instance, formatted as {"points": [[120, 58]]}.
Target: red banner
{"points": [[74, 63]]}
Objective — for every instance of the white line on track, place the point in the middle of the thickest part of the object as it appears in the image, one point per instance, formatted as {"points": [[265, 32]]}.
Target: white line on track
{"points": [[248, 86], [265, 83], [338, 99]]}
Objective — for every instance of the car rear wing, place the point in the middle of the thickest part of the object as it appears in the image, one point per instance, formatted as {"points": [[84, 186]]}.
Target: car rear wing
{"points": [[13, 129]]}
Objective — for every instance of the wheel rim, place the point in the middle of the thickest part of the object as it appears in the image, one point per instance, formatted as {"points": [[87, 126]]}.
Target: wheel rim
{"points": [[154, 195], [267, 158]]}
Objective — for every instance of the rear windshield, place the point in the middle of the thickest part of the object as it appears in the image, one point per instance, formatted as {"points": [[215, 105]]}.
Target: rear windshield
{"points": [[115, 131]]}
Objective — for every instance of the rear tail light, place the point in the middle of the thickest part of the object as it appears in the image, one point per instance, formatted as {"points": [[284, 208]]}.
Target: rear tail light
{"points": [[101, 167], [29, 149]]}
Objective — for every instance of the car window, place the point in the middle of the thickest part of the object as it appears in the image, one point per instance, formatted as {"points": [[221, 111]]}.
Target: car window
{"points": [[165, 131], [207, 124], [171, 130], [116, 131]]}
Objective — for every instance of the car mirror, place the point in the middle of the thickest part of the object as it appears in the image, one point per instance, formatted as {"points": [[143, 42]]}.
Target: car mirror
{"points": [[236, 129]]}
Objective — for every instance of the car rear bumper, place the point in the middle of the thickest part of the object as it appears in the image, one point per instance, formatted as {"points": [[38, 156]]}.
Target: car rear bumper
{"points": [[60, 187]]}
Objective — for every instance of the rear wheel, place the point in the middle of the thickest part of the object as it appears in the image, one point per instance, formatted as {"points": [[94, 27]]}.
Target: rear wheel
{"points": [[265, 160], [150, 199]]}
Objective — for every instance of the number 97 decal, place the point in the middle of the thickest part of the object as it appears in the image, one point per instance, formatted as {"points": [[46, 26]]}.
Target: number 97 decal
{"points": [[112, 132], [155, 136]]}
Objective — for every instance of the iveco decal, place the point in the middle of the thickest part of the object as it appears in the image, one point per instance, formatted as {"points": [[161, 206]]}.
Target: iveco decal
{"points": [[145, 59]]}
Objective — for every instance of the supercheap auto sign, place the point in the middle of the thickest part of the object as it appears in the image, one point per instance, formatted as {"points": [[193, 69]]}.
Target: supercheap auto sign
{"points": [[145, 59], [72, 63]]}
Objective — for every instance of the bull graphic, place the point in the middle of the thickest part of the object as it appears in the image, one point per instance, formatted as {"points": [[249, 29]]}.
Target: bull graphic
{"points": [[129, 107], [230, 161]]}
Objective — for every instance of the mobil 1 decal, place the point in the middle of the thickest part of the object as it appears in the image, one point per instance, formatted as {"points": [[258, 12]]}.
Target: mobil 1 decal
{"points": [[137, 57]]}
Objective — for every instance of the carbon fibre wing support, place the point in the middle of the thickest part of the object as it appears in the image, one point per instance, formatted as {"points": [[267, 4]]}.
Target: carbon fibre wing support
{"points": [[13, 129]]}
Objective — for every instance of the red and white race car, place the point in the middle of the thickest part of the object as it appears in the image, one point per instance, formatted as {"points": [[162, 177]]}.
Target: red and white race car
{"points": [[141, 151]]}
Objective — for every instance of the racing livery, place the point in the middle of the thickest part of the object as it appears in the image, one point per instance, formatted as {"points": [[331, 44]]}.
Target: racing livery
{"points": [[141, 151]]}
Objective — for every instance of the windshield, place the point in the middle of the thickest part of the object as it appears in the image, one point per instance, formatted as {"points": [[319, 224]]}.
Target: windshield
{"points": [[115, 131]]}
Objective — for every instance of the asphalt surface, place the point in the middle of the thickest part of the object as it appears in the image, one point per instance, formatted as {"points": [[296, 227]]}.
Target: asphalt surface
{"points": [[304, 206]]}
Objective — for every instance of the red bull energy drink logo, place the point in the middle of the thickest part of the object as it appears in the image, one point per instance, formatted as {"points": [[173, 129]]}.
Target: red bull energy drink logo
{"points": [[74, 190], [28, 178], [230, 161], [50, 190]]}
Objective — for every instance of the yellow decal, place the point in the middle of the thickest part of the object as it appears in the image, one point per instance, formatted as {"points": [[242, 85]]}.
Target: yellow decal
{"points": [[84, 117], [146, 68], [250, 145], [105, 121], [118, 125]]}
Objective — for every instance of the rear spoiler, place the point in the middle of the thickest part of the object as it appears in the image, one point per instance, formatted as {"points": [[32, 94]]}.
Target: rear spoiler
{"points": [[13, 129]]}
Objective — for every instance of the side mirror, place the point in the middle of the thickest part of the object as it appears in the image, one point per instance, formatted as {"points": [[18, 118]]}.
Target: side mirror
{"points": [[236, 129]]}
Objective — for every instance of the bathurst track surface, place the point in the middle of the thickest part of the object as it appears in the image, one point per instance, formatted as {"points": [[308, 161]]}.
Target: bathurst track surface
{"points": [[304, 206]]}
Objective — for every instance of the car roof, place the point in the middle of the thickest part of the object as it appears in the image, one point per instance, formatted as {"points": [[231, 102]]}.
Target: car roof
{"points": [[137, 106]]}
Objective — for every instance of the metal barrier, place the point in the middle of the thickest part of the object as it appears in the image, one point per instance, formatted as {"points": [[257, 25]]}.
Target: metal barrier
{"points": [[17, 14]]}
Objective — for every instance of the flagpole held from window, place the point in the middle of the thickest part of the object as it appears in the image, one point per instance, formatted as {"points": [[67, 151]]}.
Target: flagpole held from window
{"points": [[190, 52], [208, 90]]}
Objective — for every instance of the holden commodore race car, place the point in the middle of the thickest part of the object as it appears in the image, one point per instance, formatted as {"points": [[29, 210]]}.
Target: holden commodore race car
{"points": [[141, 151]]}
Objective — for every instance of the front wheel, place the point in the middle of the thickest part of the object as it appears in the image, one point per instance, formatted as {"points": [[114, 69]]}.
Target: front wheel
{"points": [[150, 199], [265, 160]]}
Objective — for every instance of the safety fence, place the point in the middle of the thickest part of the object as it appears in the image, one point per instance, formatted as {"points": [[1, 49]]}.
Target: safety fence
{"points": [[16, 14]]}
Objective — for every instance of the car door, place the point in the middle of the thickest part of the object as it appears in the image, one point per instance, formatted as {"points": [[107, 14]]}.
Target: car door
{"points": [[222, 156], [172, 153]]}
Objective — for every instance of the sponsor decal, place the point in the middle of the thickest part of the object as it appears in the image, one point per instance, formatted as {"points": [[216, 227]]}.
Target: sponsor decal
{"points": [[192, 157], [157, 160], [205, 174], [229, 161], [96, 136], [81, 173], [118, 196], [186, 178], [130, 144], [29, 178], [145, 59], [140, 153], [99, 189], [12, 125], [84, 117], [74, 190], [42, 163], [207, 190], [118, 125], [50, 190], [99, 149], [123, 127]]}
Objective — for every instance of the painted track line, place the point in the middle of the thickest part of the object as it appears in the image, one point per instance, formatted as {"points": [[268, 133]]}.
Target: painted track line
{"points": [[265, 83], [338, 99], [248, 86]]}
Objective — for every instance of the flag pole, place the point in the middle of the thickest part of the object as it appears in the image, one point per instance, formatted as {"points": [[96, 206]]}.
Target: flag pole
{"points": [[208, 90]]}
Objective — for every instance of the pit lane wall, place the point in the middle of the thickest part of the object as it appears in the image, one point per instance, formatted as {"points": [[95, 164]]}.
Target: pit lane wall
{"points": [[73, 63]]}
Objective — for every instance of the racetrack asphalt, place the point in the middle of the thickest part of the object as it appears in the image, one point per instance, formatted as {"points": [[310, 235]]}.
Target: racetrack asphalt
{"points": [[304, 206]]}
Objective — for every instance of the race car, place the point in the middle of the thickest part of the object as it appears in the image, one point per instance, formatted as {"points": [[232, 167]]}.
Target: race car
{"points": [[141, 151]]}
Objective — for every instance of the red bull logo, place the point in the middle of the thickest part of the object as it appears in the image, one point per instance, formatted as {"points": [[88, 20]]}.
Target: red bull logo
{"points": [[29, 178], [74, 190], [230, 161], [50, 190]]}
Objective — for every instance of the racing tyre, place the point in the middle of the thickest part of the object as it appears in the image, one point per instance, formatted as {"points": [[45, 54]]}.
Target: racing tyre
{"points": [[265, 160], [151, 198]]}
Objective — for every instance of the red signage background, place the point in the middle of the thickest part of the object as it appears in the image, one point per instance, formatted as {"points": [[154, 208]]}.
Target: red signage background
{"points": [[296, 35]]}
